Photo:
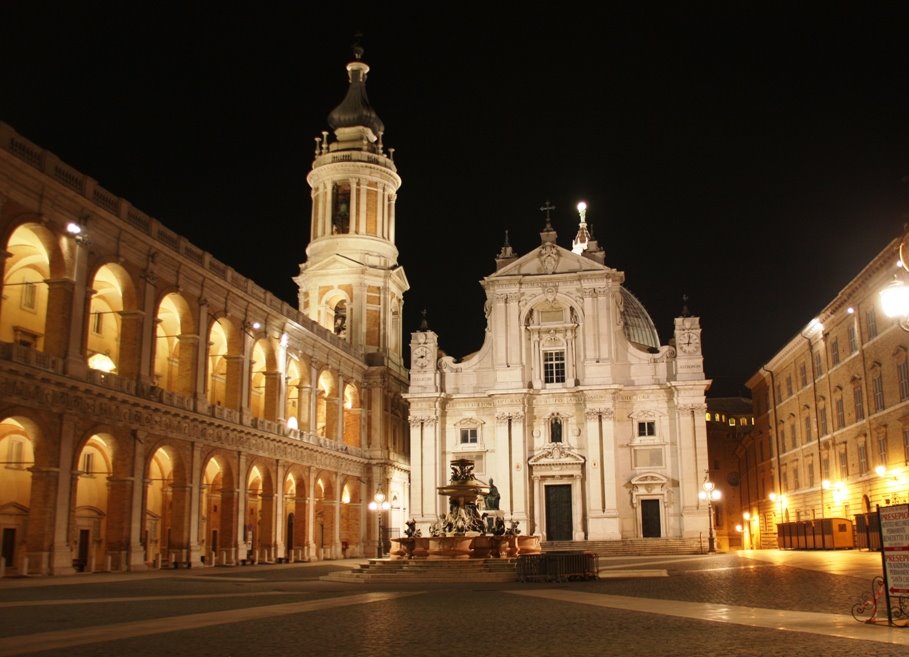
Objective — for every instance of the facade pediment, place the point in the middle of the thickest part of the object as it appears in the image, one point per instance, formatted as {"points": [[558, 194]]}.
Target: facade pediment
{"points": [[556, 454], [549, 259]]}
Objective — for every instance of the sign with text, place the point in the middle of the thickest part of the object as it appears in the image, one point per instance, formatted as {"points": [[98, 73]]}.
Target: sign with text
{"points": [[895, 547]]}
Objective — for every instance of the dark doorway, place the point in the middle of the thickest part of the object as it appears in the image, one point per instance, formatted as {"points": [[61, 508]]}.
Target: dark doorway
{"points": [[9, 545], [650, 518], [289, 536], [558, 513], [82, 554]]}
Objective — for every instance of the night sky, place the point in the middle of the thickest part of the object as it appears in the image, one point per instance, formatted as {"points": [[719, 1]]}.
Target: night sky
{"points": [[752, 156]]}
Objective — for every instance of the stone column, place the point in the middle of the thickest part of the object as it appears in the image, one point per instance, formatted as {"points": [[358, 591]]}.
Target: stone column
{"points": [[136, 557], [195, 503], [280, 516]]}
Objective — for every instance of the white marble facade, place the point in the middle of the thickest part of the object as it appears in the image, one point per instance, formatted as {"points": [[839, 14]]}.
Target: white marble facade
{"points": [[588, 426]]}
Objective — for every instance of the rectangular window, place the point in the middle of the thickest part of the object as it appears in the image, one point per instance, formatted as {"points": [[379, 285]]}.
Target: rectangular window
{"points": [[840, 413], [782, 438], [469, 436], [818, 364], [803, 375], [809, 470], [844, 463], [788, 386], [647, 428], [822, 420], [877, 388], [871, 323], [859, 400], [825, 466], [29, 298], [902, 373], [807, 429], [554, 366], [796, 484], [97, 323], [835, 351], [779, 391], [853, 342], [784, 484], [88, 460], [793, 435], [882, 449], [862, 458]]}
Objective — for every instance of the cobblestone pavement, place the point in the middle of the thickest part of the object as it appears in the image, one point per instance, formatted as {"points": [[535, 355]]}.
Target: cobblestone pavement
{"points": [[771, 603]]}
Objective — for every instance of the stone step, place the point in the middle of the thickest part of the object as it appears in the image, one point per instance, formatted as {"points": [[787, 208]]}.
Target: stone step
{"points": [[430, 570]]}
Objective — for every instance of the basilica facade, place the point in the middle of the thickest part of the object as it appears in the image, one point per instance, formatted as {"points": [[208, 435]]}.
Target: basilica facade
{"points": [[584, 423], [158, 409]]}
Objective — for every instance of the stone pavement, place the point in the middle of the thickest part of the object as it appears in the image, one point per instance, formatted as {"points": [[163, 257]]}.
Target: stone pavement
{"points": [[747, 603]]}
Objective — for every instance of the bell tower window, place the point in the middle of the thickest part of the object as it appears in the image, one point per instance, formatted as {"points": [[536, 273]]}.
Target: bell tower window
{"points": [[340, 209]]}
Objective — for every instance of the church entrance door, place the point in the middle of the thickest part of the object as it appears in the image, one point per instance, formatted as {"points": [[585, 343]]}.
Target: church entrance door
{"points": [[650, 518], [558, 513]]}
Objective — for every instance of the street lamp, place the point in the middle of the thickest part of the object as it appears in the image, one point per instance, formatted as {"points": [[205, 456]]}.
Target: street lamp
{"points": [[895, 297], [380, 504], [709, 494]]}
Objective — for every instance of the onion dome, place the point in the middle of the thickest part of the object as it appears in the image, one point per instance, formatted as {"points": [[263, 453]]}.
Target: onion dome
{"points": [[355, 110]]}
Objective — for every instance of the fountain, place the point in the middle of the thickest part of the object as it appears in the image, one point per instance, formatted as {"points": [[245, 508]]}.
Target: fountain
{"points": [[467, 531]]}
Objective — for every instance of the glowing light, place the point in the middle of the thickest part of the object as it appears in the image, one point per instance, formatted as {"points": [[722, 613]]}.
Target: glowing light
{"points": [[895, 299], [102, 362], [73, 228]]}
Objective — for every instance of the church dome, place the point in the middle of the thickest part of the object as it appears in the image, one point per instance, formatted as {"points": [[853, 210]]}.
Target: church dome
{"points": [[638, 327], [355, 110]]}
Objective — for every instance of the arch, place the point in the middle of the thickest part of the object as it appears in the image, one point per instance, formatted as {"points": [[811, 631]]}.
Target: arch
{"points": [[324, 513], [258, 379], [326, 405], [109, 327], [93, 469], [258, 530], [352, 414], [293, 398], [335, 310], [225, 363], [350, 517], [296, 504], [166, 531], [27, 270], [17, 449], [175, 345]]}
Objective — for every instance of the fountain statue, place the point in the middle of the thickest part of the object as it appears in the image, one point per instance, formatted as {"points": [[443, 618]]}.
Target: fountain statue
{"points": [[468, 529]]}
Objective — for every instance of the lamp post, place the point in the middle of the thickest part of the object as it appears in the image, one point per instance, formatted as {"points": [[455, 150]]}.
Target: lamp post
{"points": [[709, 494], [380, 505]]}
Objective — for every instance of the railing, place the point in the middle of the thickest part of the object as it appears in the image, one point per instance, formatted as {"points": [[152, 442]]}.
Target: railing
{"points": [[30, 357]]}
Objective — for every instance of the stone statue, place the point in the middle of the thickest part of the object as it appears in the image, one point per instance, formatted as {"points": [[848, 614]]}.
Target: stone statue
{"points": [[492, 498], [412, 531]]}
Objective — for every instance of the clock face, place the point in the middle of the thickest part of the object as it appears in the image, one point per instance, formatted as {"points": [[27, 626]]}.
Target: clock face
{"points": [[689, 343], [421, 358]]}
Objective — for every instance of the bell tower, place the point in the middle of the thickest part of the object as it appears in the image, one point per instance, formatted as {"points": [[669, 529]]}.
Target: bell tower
{"points": [[351, 282]]}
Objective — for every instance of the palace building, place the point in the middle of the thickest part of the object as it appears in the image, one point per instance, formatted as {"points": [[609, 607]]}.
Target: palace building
{"points": [[160, 410], [831, 407]]}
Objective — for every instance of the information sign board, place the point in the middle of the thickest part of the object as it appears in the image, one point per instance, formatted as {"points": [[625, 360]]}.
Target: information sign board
{"points": [[895, 547]]}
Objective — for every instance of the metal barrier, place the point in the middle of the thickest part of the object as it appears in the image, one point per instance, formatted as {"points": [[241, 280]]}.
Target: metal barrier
{"points": [[558, 566]]}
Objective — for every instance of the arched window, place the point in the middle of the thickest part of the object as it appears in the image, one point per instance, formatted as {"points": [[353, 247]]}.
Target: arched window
{"points": [[555, 430]]}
